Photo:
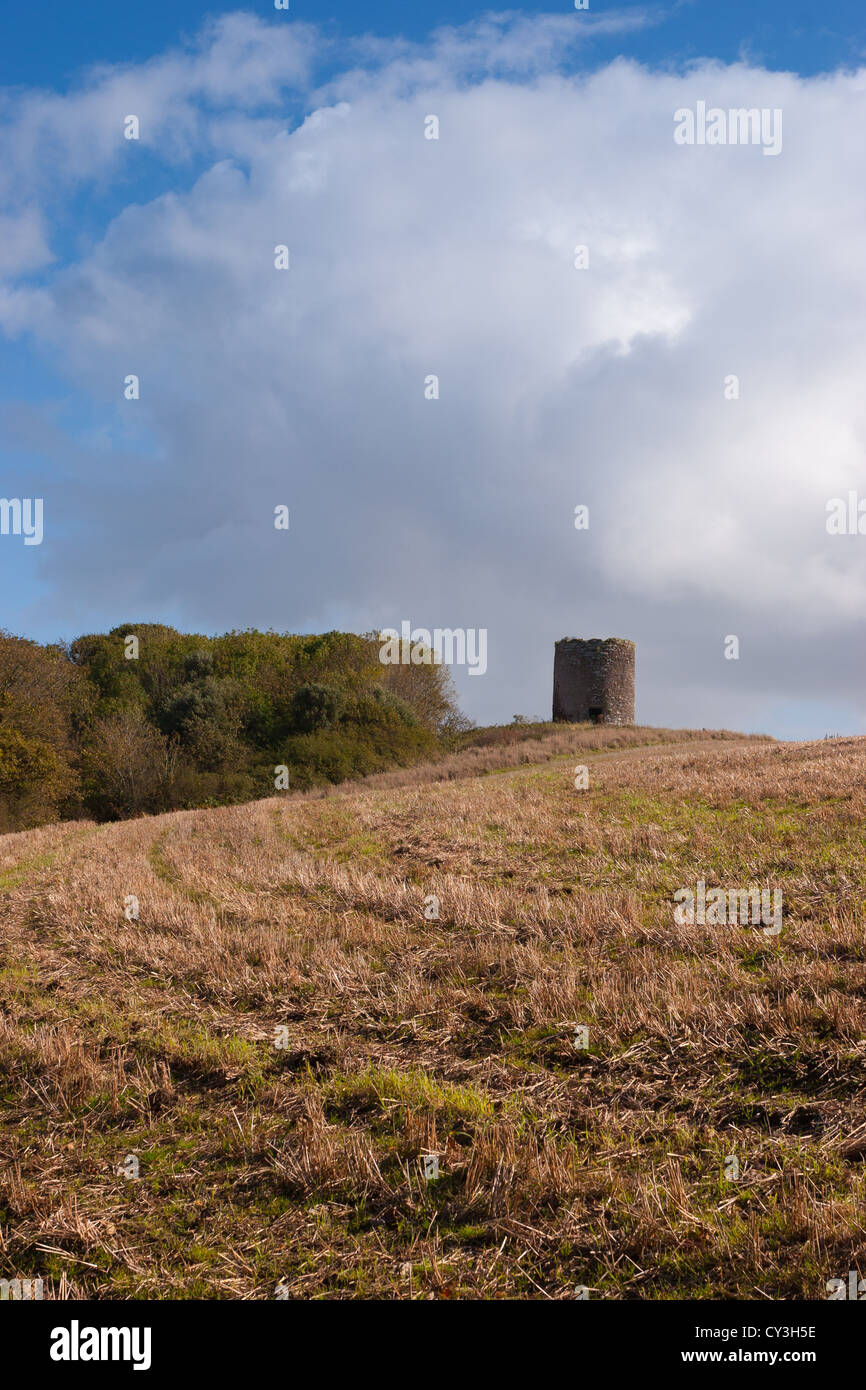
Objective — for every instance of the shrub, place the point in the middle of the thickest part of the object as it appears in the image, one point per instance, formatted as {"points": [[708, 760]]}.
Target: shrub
{"points": [[35, 781], [316, 707], [129, 766]]}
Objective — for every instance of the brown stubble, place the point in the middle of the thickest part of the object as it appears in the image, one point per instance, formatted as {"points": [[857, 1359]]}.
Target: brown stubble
{"points": [[455, 1036]]}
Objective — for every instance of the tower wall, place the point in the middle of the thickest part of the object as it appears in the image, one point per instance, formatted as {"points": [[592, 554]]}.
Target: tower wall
{"points": [[593, 680]]}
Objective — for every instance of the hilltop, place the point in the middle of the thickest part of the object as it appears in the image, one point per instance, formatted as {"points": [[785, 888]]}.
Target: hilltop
{"points": [[318, 991]]}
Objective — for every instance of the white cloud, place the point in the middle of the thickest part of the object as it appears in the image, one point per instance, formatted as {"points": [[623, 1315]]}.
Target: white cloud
{"points": [[51, 142], [558, 386]]}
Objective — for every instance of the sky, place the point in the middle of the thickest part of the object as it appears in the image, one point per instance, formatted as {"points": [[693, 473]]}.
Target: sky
{"points": [[565, 299]]}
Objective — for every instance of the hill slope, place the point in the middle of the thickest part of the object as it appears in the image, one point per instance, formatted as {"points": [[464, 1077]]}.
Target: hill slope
{"points": [[309, 922]]}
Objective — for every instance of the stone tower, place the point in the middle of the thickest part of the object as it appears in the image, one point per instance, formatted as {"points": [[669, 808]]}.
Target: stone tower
{"points": [[593, 680]]}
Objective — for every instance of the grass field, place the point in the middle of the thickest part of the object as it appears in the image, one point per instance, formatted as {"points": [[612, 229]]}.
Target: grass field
{"points": [[298, 1169]]}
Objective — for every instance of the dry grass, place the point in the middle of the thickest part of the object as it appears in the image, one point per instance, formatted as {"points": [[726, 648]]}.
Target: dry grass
{"points": [[302, 1165]]}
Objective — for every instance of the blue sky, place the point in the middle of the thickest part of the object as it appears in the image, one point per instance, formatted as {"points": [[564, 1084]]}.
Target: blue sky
{"points": [[48, 44], [410, 257]]}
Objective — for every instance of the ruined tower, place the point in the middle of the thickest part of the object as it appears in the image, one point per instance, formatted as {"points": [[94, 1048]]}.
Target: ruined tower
{"points": [[593, 680]]}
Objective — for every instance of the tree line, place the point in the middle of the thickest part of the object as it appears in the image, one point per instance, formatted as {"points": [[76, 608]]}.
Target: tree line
{"points": [[146, 719]]}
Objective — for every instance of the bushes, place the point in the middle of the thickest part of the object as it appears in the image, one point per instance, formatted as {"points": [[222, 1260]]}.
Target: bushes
{"points": [[35, 781], [315, 707], [128, 766], [334, 756], [145, 719], [44, 704], [375, 731], [206, 716]]}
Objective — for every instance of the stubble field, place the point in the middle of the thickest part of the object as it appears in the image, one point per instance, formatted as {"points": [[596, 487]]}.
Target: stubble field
{"points": [[238, 1093]]}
